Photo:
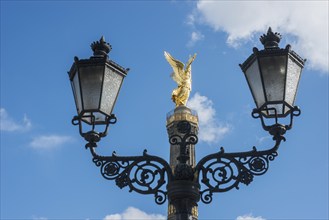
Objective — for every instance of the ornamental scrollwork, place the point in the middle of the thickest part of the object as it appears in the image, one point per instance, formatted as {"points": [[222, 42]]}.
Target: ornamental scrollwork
{"points": [[221, 172], [144, 174], [218, 172]]}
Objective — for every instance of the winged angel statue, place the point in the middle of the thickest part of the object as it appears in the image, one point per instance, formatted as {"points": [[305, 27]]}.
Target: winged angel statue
{"points": [[182, 77]]}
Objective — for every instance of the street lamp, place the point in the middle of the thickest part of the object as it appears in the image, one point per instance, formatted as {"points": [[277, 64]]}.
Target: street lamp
{"points": [[96, 83], [272, 74]]}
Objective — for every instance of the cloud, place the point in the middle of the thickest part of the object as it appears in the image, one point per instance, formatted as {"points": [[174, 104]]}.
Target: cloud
{"points": [[195, 37], [136, 214], [9, 124], [39, 218], [249, 217], [44, 142], [306, 21], [211, 130], [262, 139]]}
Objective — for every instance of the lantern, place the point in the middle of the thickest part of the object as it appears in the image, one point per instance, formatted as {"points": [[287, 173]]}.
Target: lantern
{"points": [[273, 75], [96, 83]]}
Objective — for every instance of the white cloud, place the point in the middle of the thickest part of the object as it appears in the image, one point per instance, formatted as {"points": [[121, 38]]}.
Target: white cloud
{"points": [[211, 130], [9, 124], [136, 214], [44, 142], [307, 21], [249, 217], [195, 37], [190, 20], [262, 139], [39, 218]]}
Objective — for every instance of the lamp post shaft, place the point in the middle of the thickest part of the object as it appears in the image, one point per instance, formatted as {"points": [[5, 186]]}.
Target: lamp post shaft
{"points": [[183, 192]]}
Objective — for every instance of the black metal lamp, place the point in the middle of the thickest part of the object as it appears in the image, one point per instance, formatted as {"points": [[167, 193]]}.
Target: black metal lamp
{"points": [[273, 75], [96, 83]]}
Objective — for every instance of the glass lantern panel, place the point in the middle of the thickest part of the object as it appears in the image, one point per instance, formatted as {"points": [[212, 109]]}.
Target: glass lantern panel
{"points": [[99, 118], [255, 83], [111, 87], [91, 78], [93, 118], [77, 92], [293, 76], [86, 117], [274, 109], [274, 74]]}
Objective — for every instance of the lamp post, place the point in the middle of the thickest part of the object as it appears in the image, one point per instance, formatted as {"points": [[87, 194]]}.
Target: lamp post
{"points": [[272, 75]]}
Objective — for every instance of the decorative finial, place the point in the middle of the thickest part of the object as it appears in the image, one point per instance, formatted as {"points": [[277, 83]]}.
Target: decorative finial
{"points": [[270, 40], [101, 48]]}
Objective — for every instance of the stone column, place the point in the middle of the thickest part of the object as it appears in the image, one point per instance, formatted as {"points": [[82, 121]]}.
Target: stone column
{"points": [[183, 193]]}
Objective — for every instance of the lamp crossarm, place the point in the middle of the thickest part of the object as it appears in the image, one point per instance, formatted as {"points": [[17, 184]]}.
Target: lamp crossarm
{"points": [[144, 174], [221, 172]]}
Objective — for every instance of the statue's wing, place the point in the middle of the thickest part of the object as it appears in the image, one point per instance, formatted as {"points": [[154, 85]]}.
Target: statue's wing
{"points": [[177, 66], [189, 62]]}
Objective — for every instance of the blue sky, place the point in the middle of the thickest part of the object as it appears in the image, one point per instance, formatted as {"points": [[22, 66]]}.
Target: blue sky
{"points": [[47, 174]]}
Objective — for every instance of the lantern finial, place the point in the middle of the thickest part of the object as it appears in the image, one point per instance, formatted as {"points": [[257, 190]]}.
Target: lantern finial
{"points": [[101, 48], [270, 40]]}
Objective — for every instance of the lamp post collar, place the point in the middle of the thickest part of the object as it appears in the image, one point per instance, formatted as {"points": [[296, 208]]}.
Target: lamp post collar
{"points": [[270, 40]]}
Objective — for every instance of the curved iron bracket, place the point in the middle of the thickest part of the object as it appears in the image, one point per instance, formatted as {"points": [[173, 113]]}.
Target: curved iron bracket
{"points": [[144, 174], [221, 172]]}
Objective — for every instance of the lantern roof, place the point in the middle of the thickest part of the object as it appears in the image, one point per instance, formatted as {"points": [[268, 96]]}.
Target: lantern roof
{"points": [[271, 48], [100, 56]]}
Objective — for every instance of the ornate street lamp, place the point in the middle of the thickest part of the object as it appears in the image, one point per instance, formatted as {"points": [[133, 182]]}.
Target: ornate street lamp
{"points": [[272, 74], [96, 83]]}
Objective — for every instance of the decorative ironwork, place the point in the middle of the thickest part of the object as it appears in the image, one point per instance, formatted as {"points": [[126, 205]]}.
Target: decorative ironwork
{"points": [[144, 174], [270, 40], [259, 113], [184, 127], [93, 136], [187, 185], [218, 172], [221, 172], [101, 48], [183, 171]]}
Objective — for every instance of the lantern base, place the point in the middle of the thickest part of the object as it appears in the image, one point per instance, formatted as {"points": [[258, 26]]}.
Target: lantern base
{"points": [[93, 136], [276, 128]]}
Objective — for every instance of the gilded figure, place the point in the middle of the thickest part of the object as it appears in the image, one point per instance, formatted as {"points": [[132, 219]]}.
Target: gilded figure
{"points": [[182, 77]]}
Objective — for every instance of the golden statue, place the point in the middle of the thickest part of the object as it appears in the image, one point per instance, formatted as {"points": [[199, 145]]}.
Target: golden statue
{"points": [[182, 77]]}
